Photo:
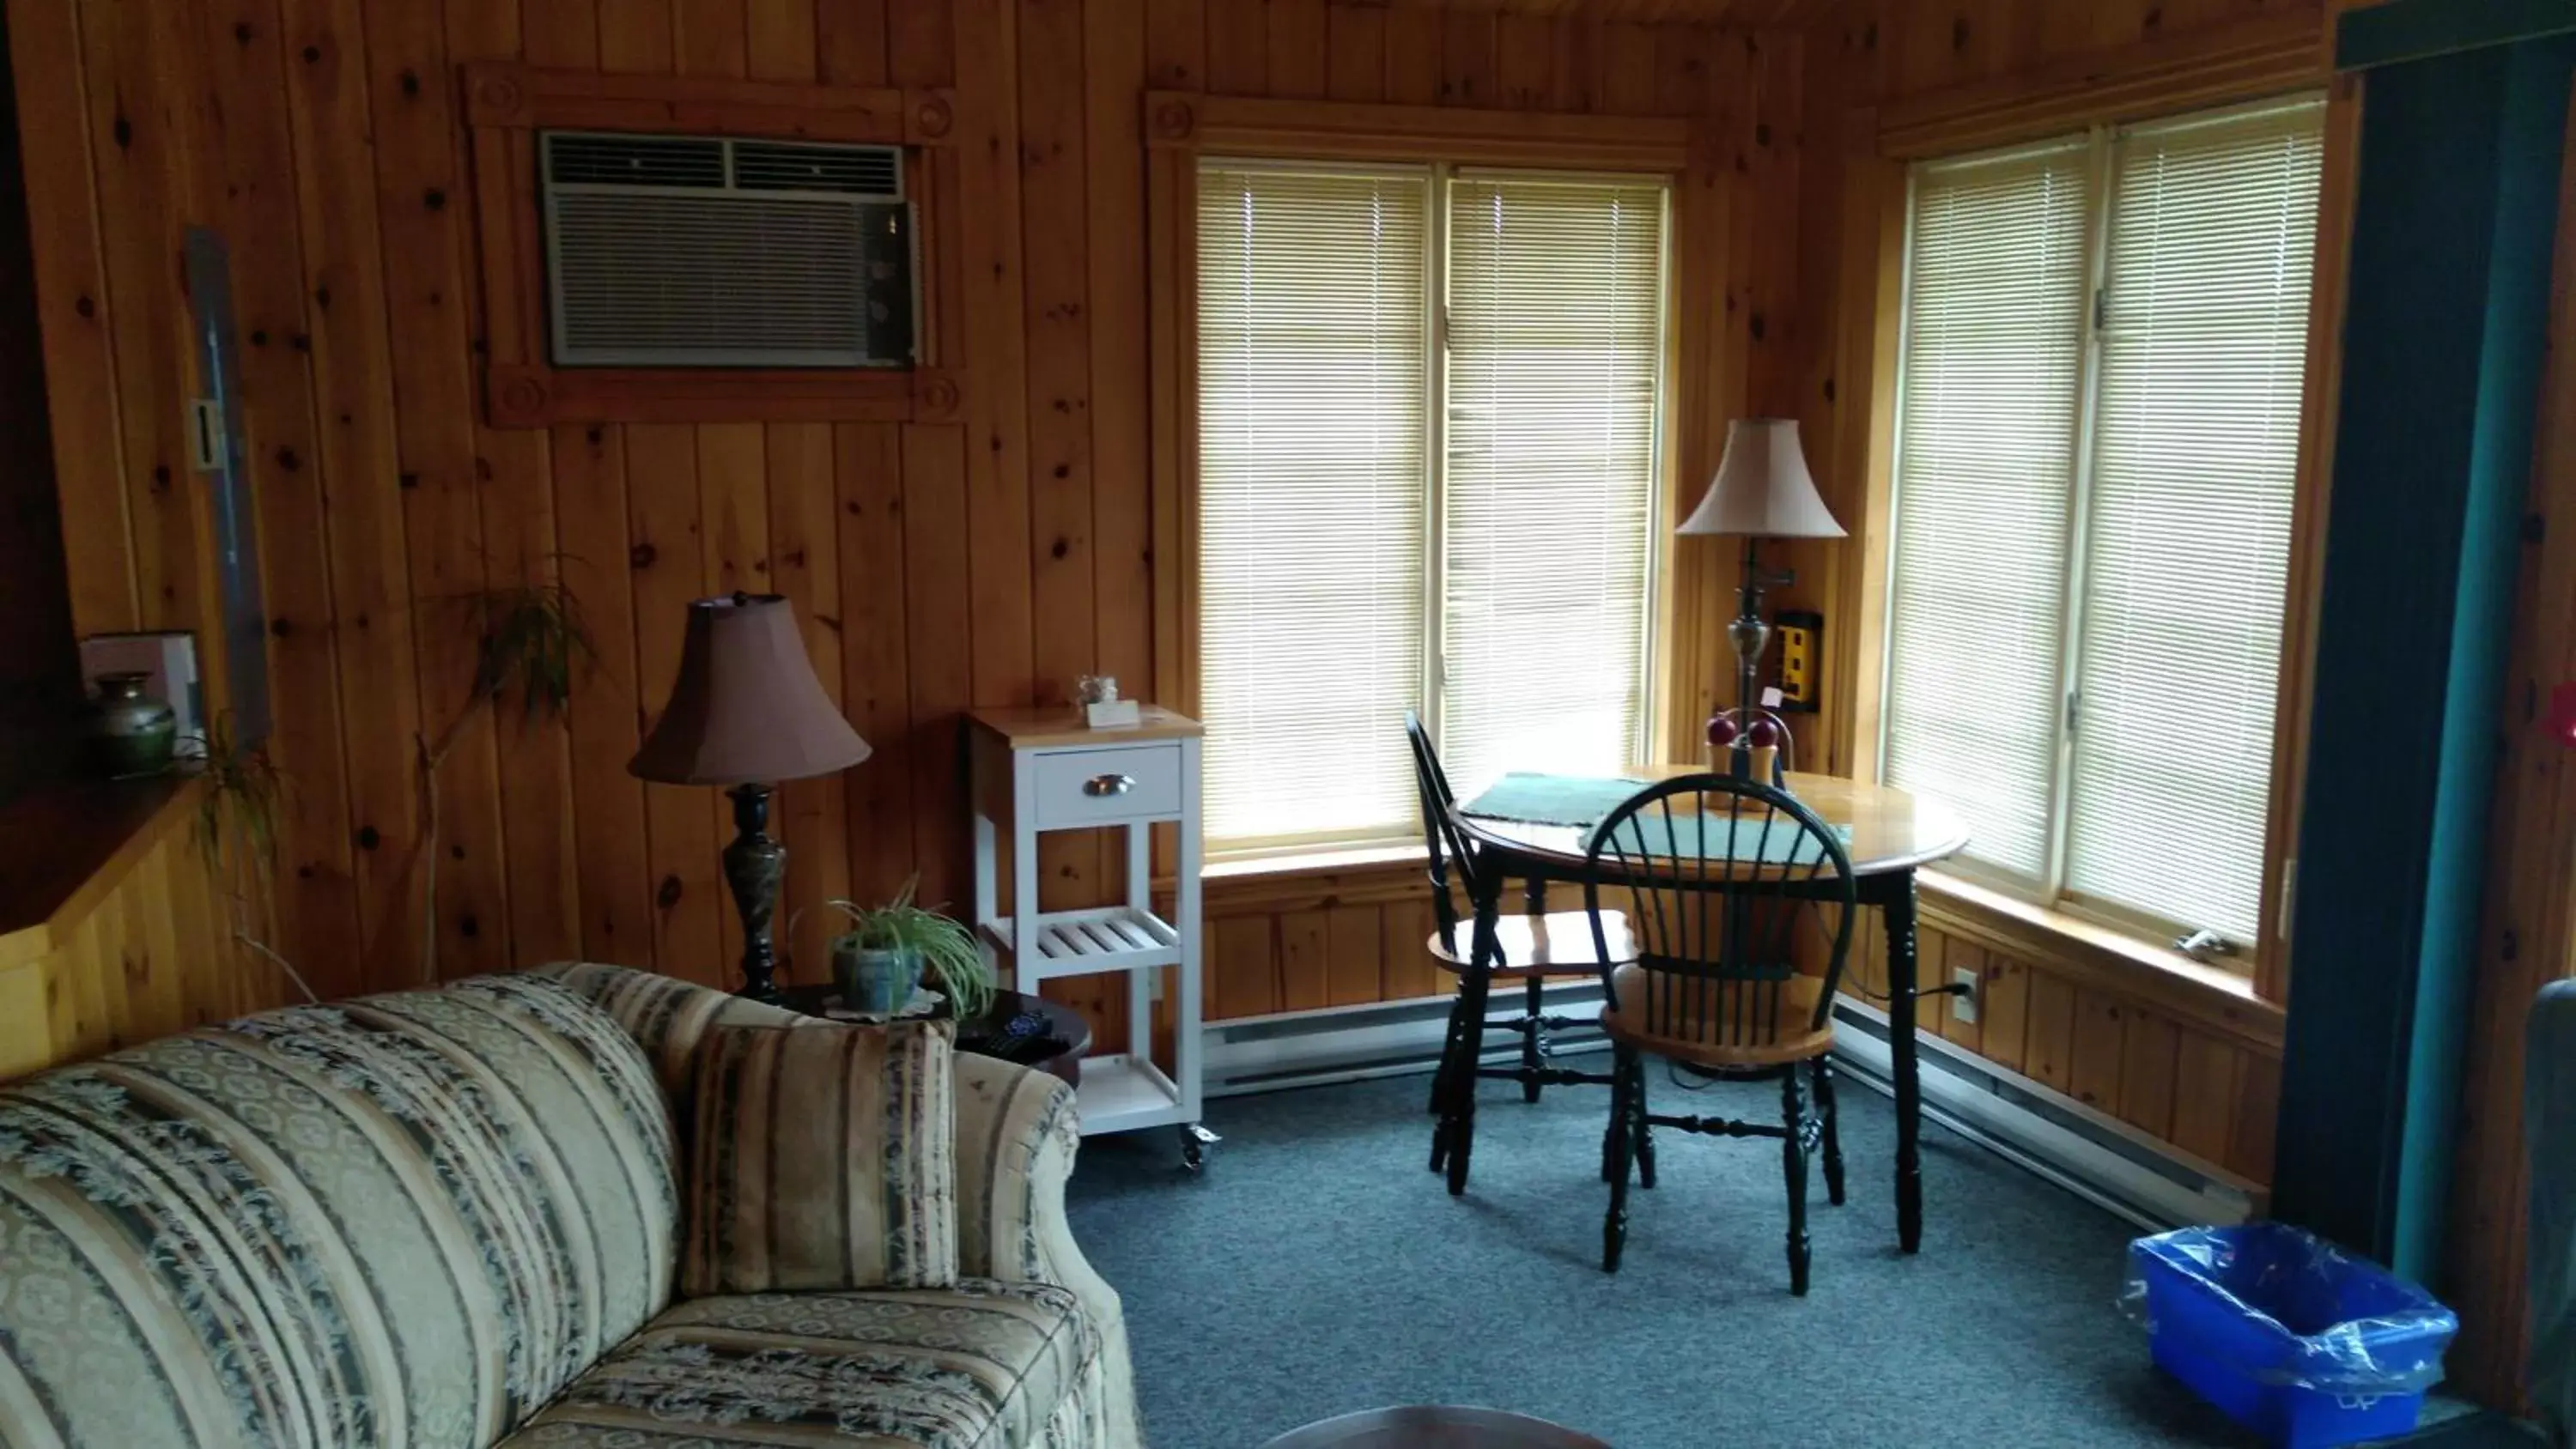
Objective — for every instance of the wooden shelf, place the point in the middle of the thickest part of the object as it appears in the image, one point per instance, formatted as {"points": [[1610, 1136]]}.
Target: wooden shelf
{"points": [[1077, 943], [1122, 1093]]}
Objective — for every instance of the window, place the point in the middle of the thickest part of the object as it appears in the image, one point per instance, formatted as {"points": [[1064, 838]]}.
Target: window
{"points": [[2097, 446], [1429, 449]]}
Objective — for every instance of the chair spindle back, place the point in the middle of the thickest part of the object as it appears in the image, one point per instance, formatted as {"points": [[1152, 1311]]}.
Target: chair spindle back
{"points": [[1444, 842], [1718, 873]]}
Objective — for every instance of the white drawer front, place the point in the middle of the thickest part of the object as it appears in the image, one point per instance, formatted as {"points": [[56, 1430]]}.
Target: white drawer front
{"points": [[1101, 787]]}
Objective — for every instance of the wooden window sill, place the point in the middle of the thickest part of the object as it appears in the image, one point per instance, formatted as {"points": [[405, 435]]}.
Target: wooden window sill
{"points": [[2209, 998], [2091, 954], [1311, 879], [1325, 861]]}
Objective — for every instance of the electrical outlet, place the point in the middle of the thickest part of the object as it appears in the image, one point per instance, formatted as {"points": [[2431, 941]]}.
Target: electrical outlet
{"points": [[1963, 1005]]}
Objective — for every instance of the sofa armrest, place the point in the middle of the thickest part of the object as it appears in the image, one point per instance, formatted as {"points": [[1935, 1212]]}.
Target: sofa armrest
{"points": [[1016, 1137]]}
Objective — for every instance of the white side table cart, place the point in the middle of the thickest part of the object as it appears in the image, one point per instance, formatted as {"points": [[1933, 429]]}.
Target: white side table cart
{"points": [[1035, 770]]}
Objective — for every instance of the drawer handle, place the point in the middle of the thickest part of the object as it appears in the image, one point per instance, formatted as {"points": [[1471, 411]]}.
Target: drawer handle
{"points": [[1100, 786]]}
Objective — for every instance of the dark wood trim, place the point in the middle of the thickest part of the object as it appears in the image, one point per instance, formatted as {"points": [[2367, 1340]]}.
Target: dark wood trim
{"points": [[1354, 130], [507, 104], [534, 396], [503, 95], [63, 848], [2261, 55]]}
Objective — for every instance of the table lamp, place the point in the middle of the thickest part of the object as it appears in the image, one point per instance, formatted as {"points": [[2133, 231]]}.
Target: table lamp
{"points": [[747, 711], [1762, 490]]}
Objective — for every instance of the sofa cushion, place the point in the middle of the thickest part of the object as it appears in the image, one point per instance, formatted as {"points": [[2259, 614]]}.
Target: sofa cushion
{"points": [[980, 1366], [822, 1159], [408, 1219], [667, 1017]]}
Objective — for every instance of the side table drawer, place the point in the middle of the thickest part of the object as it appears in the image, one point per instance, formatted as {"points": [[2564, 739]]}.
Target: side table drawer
{"points": [[1103, 787]]}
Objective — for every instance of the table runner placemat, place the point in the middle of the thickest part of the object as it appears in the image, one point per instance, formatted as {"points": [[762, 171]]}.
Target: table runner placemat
{"points": [[1534, 799]]}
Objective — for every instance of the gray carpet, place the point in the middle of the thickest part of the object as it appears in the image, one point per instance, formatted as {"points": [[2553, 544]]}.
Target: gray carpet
{"points": [[1318, 1268]]}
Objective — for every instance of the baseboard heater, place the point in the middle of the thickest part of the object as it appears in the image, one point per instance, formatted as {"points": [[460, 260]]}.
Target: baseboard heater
{"points": [[2095, 1156], [2084, 1150], [1355, 1043]]}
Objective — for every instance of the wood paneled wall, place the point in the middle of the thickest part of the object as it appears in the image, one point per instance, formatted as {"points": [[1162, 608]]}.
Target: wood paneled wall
{"points": [[935, 566], [144, 949]]}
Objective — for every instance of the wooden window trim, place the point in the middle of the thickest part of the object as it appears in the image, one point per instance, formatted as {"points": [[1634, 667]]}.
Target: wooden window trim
{"points": [[506, 104], [2197, 70], [2245, 61], [2210, 999], [1180, 126], [1367, 131]]}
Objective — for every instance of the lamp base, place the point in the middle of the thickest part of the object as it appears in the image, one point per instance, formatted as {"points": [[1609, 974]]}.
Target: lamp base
{"points": [[754, 864]]}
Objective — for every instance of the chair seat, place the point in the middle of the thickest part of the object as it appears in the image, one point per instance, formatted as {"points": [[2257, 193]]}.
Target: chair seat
{"points": [[1556, 944], [982, 1365], [1788, 1037]]}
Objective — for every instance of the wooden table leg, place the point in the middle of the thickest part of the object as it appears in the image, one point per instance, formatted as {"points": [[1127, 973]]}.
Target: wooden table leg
{"points": [[1899, 907]]}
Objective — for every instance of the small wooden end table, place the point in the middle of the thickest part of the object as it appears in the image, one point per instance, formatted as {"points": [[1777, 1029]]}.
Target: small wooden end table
{"points": [[1056, 1049], [1434, 1426]]}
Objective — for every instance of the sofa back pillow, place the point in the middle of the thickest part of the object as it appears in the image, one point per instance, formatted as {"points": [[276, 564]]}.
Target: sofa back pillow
{"points": [[668, 1017], [403, 1220], [822, 1158]]}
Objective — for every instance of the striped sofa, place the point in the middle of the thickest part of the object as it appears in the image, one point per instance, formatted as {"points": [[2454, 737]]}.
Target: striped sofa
{"points": [[450, 1218]]}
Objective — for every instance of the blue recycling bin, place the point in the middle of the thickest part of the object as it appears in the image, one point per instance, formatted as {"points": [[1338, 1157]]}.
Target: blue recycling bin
{"points": [[2291, 1336]]}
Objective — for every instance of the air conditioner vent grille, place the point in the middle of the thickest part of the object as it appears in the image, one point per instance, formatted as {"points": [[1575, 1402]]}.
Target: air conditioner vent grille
{"points": [[770, 166], [684, 252], [576, 160]]}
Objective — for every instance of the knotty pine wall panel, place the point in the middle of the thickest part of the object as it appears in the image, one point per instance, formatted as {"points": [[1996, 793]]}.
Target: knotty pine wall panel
{"points": [[936, 566], [2208, 1089]]}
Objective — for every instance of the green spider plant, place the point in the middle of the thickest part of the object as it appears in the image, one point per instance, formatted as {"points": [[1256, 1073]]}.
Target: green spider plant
{"points": [[947, 948]]}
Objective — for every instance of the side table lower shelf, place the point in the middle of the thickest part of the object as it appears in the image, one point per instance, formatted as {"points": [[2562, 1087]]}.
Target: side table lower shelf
{"points": [[1123, 1092]]}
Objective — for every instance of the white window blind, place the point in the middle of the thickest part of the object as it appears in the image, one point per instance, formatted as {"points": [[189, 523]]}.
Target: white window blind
{"points": [[1988, 410], [2097, 452], [1402, 506], [1555, 366], [2203, 353], [1313, 360]]}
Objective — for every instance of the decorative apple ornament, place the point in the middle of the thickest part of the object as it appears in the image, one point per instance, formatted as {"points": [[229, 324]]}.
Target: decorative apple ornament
{"points": [[1721, 731], [1764, 735]]}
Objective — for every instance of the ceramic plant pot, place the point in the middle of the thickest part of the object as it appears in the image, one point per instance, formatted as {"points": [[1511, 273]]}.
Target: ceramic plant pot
{"points": [[132, 732], [875, 982]]}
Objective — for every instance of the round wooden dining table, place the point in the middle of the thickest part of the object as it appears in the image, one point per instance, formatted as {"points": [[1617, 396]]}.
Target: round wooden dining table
{"points": [[1892, 834]]}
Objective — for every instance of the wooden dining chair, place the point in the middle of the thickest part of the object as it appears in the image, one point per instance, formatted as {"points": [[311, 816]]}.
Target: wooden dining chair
{"points": [[1523, 946], [1717, 875]]}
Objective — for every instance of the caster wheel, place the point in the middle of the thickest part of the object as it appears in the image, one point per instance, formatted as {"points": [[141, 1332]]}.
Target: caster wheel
{"points": [[1195, 1141]]}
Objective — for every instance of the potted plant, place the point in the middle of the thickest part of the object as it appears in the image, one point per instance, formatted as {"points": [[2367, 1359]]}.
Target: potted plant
{"points": [[890, 949]]}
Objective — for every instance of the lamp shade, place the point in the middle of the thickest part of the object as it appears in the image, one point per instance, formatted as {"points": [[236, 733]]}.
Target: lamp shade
{"points": [[746, 707], [1762, 488]]}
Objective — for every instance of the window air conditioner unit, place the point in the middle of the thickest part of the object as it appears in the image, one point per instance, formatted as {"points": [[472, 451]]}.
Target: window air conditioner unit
{"points": [[682, 251]]}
